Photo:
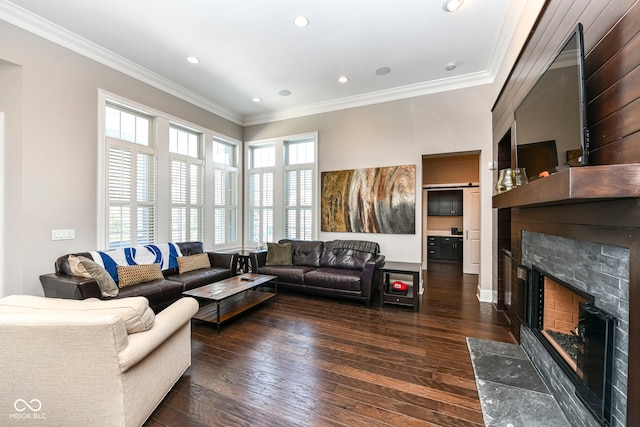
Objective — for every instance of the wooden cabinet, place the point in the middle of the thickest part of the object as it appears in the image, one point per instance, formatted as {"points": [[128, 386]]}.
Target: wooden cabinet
{"points": [[444, 203], [433, 247], [443, 248]]}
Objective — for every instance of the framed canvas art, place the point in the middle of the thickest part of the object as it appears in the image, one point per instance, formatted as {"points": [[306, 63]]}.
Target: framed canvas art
{"points": [[371, 200]]}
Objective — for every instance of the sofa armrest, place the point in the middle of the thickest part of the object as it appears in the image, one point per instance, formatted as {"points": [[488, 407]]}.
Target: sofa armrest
{"points": [[370, 275], [257, 259], [61, 285], [224, 260], [166, 323]]}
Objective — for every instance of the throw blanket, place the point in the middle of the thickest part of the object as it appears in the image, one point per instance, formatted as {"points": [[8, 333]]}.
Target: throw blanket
{"points": [[164, 253], [358, 245]]}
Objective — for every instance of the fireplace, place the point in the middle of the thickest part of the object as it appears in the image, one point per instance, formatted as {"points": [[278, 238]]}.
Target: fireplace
{"points": [[578, 335], [575, 323]]}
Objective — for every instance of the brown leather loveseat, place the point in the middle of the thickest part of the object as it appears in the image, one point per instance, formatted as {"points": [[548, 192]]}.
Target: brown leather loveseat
{"points": [[344, 268]]}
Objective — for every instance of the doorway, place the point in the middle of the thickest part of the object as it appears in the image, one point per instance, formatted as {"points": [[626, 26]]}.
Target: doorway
{"points": [[451, 210]]}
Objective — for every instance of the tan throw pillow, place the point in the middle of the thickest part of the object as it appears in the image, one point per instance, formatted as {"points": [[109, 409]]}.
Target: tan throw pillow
{"points": [[133, 274], [80, 265], [193, 262], [278, 254], [76, 268]]}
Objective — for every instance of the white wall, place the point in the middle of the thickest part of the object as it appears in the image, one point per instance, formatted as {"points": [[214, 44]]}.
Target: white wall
{"points": [[51, 148], [400, 133]]}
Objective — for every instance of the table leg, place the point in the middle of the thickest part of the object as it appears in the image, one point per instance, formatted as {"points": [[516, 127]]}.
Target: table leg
{"points": [[218, 315]]}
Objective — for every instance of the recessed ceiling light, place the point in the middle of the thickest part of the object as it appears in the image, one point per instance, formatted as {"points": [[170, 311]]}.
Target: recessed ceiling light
{"points": [[343, 79], [284, 92], [451, 66], [301, 21], [193, 59], [451, 5], [256, 99], [383, 70]]}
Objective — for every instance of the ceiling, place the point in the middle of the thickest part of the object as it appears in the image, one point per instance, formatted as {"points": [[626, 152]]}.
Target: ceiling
{"points": [[252, 49]]}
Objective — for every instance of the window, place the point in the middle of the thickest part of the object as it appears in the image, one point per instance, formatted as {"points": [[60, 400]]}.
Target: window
{"points": [[162, 179], [187, 182], [225, 193], [130, 179], [281, 189]]}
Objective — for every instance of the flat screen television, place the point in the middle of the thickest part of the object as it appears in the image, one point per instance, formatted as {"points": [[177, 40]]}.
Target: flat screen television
{"points": [[550, 123]]}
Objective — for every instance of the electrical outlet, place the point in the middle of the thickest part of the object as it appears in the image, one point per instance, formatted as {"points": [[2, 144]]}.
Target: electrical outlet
{"points": [[68, 234]]}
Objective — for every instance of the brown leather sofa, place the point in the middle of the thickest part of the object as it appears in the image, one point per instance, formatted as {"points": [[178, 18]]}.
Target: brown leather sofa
{"points": [[343, 268], [160, 293]]}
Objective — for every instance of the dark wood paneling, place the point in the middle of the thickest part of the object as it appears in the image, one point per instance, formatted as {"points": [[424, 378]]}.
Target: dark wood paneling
{"points": [[612, 67], [624, 31], [612, 128], [621, 93], [624, 150]]}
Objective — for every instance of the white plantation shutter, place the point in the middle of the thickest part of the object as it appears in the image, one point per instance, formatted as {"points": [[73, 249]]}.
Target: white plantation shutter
{"points": [[187, 182], [187, 185], [298, 189], [261, 185], [131, 208], [226, 211], [225, 205]]}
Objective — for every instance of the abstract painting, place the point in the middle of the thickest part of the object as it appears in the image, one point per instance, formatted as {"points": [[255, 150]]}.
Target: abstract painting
{"points": [[372, 200]]}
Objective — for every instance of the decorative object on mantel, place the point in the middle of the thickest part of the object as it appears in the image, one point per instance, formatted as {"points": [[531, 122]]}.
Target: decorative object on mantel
{"points": [[511, 178], [372, 200]]}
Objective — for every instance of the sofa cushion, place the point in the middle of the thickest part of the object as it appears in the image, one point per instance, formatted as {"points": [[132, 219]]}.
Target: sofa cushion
{"points": [[193, 262], [133, 274], [336, 256], [160, 293], [135, 311], [305, 252], [84, 267], [76, 268], [278, 254], [286, 273], [334, 278], [107, 285], [197, 278]]}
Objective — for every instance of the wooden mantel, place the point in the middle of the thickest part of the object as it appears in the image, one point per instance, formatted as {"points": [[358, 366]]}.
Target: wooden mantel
{"points": [[575, 185]]}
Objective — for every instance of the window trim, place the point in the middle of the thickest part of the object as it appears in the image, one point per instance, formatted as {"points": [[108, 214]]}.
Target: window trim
{"points": [[278, 190]]}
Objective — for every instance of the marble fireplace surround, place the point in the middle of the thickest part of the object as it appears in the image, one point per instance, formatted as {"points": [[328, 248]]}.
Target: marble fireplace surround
{"points": [[600, 270]]}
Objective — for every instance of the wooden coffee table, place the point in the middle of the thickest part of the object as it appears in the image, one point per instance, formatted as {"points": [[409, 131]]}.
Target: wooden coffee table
{"points": [[232, 296]]}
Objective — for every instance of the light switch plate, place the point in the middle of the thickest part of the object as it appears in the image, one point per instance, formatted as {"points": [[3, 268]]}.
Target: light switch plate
{"points": [[68, 234]]}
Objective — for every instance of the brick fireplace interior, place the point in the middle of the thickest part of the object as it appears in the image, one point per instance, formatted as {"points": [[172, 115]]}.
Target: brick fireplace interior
{"points": [[581, 224]]}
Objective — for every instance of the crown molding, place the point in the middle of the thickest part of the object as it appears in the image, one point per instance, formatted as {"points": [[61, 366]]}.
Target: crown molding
{"points": [[394, 94], [34, 24], [30, 22]]}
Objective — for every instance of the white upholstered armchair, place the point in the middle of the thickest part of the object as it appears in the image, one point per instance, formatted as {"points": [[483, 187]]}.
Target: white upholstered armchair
{"points": [[90, 362]]}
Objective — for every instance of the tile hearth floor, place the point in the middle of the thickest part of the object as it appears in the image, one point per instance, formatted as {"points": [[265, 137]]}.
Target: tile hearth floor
{"points": [[511, 391]]}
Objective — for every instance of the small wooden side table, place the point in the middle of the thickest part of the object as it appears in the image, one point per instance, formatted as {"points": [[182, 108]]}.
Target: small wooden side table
{"points": [[411, 298]]}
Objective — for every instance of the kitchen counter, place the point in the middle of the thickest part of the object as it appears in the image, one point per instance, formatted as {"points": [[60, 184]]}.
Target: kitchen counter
{"points": [[445, 233]]}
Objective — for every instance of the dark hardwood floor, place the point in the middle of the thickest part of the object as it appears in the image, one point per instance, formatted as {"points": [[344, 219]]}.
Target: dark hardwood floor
{"points": [[307, 361]]}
